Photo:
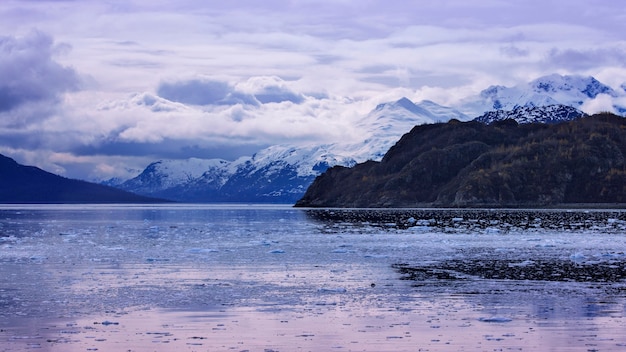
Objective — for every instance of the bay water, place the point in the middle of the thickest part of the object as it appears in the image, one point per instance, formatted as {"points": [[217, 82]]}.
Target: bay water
{"points": [[203, 277]]}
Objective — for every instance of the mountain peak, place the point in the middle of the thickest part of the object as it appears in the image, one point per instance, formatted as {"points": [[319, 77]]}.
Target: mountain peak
{"points": [[554, 89], [402, 103], [405, 102], [587, 85]]}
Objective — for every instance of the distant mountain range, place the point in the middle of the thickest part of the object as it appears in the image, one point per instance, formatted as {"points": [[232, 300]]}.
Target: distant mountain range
{"points": [[282, 173], [28, 184], [471, 164]]}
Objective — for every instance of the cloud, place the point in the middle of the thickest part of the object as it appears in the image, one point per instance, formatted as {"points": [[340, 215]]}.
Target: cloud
{"points": [[145, 123], [276, 94], [513, 51], [574, 59], [195, 91], [270, 89], [254, 91], [601, 103], [31, 80]]}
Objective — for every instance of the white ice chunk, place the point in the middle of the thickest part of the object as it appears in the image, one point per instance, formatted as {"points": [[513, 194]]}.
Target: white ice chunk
{"points": [[522, 264], [202, 250], [577, 257]]}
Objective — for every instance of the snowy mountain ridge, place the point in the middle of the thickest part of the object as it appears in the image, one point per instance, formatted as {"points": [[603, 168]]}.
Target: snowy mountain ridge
{"points": [[282, 173], [165, 174], [569, 90], [523, 114]]}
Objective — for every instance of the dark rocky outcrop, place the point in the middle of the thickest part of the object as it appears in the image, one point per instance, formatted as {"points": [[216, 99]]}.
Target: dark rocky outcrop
{"points": [[470, 164]]}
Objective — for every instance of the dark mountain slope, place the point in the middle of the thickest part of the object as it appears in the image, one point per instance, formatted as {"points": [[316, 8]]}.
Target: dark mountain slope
{"points": [[460, 164], [28, 184]]}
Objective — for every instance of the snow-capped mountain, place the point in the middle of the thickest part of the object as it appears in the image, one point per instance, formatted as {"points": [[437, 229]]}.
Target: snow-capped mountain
{"points": [[282, 173], [164, 174], [553, 89], [279, 173], [385, 124], [524, 114]]}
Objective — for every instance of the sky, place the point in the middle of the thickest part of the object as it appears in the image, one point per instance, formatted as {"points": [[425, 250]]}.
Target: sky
{"points": [[94, 89]]}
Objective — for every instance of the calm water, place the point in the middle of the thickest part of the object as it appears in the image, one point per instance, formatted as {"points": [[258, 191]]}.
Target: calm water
{"points": [[274, 278]]}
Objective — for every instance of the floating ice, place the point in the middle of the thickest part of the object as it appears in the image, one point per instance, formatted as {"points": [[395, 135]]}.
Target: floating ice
{"points": [[522, 264], [425, 222], [577, 257], [492, 230], [202, 250], [498, 267]]}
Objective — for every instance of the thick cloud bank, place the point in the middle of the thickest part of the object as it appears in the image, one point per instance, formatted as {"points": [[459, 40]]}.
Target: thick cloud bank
{"points": [[30, 75]]}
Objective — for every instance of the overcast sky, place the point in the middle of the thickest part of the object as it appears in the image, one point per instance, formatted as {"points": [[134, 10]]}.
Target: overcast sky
{"points": [[92, 88]]}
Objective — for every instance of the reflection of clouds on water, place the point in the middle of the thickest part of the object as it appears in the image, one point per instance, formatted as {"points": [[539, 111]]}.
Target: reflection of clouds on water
{"points": [[508, 278]]}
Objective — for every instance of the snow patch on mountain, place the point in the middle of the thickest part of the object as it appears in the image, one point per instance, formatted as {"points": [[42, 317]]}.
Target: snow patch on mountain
{"points": [[524, 114], [307, 160], [441, 113], [164, 174]]}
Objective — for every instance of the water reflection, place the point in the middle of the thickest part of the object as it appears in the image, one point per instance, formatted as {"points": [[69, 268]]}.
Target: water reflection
{"points": [[243, 277]]}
